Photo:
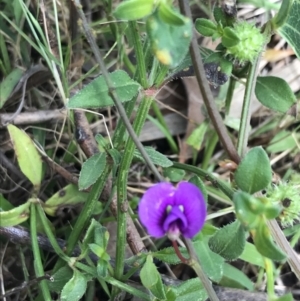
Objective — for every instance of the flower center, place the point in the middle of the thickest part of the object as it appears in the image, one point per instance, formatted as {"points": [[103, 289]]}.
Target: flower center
{"points": [[175, 221]]}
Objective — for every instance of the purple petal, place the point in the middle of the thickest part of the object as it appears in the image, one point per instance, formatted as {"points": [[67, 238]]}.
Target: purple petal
{"points": [[190, 197], [153, 207]]}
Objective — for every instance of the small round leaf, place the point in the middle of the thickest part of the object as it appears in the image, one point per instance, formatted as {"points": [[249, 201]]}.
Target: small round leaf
{"points": [[274, 93], [205, 27], [229, 38], [254, 172]]}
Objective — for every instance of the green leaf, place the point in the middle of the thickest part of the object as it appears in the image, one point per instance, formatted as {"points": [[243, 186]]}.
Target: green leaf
{"points": [[229, 241], [155, 156], [60, 278], [134, 9], [284, 12], [75, 287], [205, 27], [274, 93], [170, 43], [102, 267], [14, 216], [91, 170], [5, 205], [235, 278], [265, 245], [8, 84], [252, 256], [28, 157], [190, 290], [283, 141], [65, 197], [151, 279], [196, 137], [97, 250], [212, 263], [169, 256], [101, 235], [254, 173], [230, 38], [221, 17], [169, 15], [290, 31], [96, 93]]}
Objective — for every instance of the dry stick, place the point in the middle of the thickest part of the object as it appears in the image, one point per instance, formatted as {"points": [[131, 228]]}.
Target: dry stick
{"points": [[40, 116], [207, 96]]}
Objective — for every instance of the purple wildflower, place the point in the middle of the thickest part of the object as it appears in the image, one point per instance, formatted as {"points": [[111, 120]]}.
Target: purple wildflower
{"points": [[165, 209]]}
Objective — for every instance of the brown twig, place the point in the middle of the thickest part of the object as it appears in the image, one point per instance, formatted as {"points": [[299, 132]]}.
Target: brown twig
{"points": [[133, 237], [36, 117], [206, 92]]}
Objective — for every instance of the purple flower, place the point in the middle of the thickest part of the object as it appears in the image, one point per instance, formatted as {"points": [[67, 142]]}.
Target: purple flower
{"points": [[165, 209]]}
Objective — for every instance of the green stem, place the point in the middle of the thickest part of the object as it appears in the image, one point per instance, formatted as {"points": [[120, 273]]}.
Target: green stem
{"points": [[38, 265], [196, 265], [207, 176], [246, 113], [270, 278], [209, 149], [122, 186], [87, 210], [50, 235], [127, 288], [229, 95], [141, 68], [161, 75]]}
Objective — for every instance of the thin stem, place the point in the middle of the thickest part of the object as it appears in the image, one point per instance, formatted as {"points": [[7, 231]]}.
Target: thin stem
{"points": [[122, 186], [282, 242], [196, 265], [229, 95], [38, 265], [50, 234], [141, 68], [178, 253], [209, 149], [270, 277], [246, 112], [207, 176], [206, 92], [112, 93]]}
